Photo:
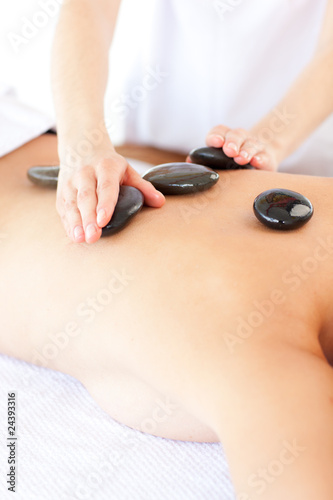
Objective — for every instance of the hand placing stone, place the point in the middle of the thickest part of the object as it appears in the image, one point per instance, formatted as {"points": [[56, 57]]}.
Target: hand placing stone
{"points": [[130, 200], [282, 209], [181, 178], [215, 158]]}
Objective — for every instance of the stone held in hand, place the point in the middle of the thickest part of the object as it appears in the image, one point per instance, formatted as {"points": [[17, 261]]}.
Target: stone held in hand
{"points": [[130, 202], [44, 176], [216, 159], [282, 209], [181, 178], [130, 199]]}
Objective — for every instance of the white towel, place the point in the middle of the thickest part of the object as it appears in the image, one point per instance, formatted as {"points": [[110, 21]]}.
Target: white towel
{"points": [[19, 123], [70, 449]]}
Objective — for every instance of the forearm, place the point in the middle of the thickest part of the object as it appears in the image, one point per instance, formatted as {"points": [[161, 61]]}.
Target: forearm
{"points": [[306, 105], [80, 66]]}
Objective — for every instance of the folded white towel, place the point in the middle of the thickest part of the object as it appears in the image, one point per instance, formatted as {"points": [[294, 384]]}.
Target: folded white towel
{"points": [[69, 449]]}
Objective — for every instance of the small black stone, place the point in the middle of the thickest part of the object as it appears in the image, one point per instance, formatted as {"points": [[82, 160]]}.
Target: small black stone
{"points": [[44, 176], [130, 202], [215, 158], [181, 178], [282, 209]]}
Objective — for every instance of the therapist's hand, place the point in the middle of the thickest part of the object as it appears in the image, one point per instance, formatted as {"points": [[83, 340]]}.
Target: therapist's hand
{"points": [[244, 147], [87, 193]]}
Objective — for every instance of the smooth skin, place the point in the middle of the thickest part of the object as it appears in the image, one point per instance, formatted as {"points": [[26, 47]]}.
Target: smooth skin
{"points": [[165, 354], [88, 187]]}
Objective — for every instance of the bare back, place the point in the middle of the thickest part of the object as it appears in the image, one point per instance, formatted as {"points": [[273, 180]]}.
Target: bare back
{"points": [[177, 278]]}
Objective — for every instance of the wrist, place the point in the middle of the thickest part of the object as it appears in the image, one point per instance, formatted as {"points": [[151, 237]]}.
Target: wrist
{"points": [[84, 143]]}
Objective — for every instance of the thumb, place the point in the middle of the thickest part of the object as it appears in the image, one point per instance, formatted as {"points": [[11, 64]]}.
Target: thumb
{"points": [[153, 198]]}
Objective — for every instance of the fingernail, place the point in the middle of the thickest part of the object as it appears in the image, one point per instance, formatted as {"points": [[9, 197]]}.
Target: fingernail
{"points": [[258, 158], [231, 145], [157, 196], [91, 230], [244, 154], [101, 216], [216, 140], [78, 232]]}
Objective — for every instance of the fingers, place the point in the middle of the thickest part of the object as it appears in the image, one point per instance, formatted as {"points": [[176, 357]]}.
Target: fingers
{"points": [[76, 205], [233, 142], [66, 206], [70, 215], [248, 150], [216, 137], [153, 198], [86, 204], [264, 162], [243, 147], [107, 192], [86, 199], [257, 154]]}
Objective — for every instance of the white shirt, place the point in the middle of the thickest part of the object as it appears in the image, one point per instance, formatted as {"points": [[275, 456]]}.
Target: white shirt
{"points": [[194, 64]]}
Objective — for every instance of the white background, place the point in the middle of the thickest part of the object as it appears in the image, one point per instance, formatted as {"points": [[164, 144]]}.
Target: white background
{"points": [[27, 68]]}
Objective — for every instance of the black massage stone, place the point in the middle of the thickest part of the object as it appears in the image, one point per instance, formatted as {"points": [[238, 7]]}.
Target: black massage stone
{"points": [[44, 176], [130, 202], [181, 178], [216, 159], [282, 209]]}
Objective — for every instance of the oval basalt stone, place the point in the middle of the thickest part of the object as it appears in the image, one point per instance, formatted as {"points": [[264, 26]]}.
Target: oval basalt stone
{"points": [[181, 178], [130, 202], [282, 209], [44, 176], [216, 159]]}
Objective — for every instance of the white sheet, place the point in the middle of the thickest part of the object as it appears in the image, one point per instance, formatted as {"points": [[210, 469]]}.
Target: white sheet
{"points": [[19, 123], [69, 449]]}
